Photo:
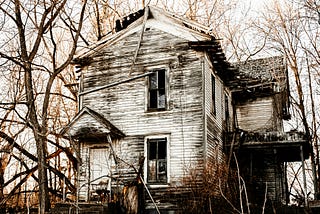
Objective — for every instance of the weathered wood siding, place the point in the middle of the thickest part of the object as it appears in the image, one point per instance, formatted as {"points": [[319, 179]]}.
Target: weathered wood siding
{"points": [[90, 122], [257, 115], [279, 110], [124, 105], [266, 171], [215, 122], [84, 174]]}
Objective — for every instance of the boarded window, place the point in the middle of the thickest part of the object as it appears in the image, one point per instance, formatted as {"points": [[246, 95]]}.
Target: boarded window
{"points": [[157, 90], [157, 160], [213, 94]]}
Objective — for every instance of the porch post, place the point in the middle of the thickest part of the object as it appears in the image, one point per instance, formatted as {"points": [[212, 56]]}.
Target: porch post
{"points": [[304, 177]]}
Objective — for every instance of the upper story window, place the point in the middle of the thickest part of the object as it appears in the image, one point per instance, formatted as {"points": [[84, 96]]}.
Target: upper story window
{"points": [[226, 111], [157, 99], [157, 160], [213, 94]]}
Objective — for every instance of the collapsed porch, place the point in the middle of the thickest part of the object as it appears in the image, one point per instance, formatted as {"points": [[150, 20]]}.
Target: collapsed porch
{"points": [[261, 158]]}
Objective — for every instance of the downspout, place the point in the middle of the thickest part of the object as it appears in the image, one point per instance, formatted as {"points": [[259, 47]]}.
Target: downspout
{"points": [[304, 178], [78, 179]]}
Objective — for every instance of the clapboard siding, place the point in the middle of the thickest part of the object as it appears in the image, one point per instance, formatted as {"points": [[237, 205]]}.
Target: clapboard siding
{"points": [[125, 105], [256, 115], [84, 173], [214, 122], [266, 171]]}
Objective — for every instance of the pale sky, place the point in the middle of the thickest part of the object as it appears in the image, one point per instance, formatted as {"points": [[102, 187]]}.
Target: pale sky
{"points": [[258, 4]]}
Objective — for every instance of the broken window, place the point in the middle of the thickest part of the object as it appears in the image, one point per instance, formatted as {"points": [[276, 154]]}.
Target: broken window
{"points": [[157, 160], [157, 90], [213, 94]]}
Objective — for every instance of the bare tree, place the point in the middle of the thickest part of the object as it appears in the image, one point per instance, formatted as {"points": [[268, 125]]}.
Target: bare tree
{"points": [[40, 57], [290, 31]]}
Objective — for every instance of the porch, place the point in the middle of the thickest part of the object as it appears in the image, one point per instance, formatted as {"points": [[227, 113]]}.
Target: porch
{"points": [[81, 208], [261, 159], [289, 146]]}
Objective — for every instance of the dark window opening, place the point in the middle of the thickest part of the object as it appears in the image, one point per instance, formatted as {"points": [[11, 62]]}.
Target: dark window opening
{"points": [[213, 94], [157, 90], [227, 113], [157, 160]]}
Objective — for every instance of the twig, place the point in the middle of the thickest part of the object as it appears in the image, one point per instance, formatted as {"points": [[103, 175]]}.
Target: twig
{"points": [[145, 186], [265, 198], [246, 194], [239, 182]]}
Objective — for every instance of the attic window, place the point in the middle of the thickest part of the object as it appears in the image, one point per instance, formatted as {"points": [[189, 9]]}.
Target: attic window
{"points": [[157, 99]]}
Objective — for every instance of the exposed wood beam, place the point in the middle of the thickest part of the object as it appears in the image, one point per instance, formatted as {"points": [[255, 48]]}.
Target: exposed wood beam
{"points": [[116, 83]]}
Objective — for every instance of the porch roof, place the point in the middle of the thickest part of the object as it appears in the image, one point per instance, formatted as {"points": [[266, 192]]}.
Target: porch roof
{"points": [[288, 145], [90, 124]]}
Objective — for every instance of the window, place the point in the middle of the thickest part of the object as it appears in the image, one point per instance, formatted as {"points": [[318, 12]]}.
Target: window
{"points": [[213, 94], [226, 112], [157, 160], [157, 90]]}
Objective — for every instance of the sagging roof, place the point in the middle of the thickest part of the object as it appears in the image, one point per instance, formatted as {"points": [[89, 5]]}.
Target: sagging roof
{"points": [[90, 124], [136, 22], [213, 47], [157, 13], [266, 73], [200, 37]]}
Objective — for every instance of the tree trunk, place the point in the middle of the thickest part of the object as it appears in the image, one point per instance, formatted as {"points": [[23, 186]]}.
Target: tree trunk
{"points": [[44, 198]]}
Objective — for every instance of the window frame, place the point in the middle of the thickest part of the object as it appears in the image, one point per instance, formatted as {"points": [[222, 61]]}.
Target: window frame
{"points": [[213, 95], [81, 86], [157, 182], [157, 90], [227, 111]]}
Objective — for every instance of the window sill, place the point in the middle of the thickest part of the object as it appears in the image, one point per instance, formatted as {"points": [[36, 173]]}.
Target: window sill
{"points": [[151, 185], [156, 111]]}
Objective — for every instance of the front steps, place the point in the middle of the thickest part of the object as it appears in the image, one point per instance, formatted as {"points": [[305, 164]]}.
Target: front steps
{"points": [[83, 208]]}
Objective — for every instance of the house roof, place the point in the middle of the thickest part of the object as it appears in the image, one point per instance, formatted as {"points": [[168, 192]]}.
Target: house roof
{"points": [[200, 37], [266, 72], [90, 124], [149, 16]]}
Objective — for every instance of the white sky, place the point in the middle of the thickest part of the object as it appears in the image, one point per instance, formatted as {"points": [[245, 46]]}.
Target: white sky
{"points": [[258, 4]]}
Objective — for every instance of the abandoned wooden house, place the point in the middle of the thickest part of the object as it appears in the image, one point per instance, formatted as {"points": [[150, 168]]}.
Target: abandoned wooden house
{"points": [[157, 98]]}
